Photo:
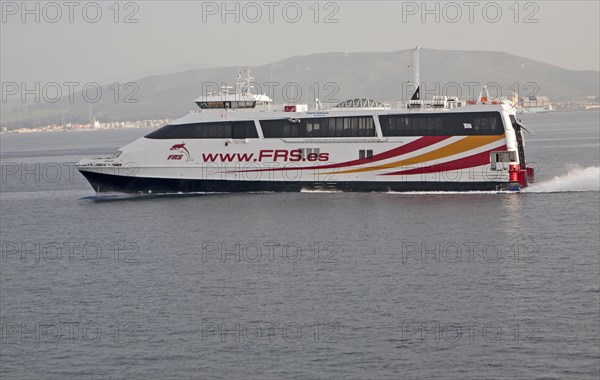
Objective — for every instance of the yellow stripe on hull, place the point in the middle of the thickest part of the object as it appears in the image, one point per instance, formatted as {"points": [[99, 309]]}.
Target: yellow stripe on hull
{"points": [[461, 146]]}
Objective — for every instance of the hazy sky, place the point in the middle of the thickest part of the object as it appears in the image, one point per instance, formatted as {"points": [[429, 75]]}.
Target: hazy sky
{"points": [[137, 38]]}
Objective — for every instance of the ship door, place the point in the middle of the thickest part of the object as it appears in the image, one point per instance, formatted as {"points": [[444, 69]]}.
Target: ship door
{"points": [[500, 160], [520, 139]]}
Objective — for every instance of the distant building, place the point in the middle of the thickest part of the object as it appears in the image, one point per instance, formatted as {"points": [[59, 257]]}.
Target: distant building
{"points": [[536, 101]]}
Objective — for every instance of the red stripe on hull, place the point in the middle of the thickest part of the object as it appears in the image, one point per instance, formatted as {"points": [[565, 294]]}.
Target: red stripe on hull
{"points": [[423, 142], [478, 159]]}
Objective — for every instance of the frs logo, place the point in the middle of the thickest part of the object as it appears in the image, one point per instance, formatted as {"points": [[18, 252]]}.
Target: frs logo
{"points": [[181, 149]]}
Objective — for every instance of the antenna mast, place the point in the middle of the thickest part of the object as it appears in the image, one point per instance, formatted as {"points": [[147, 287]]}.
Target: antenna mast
{"points": [[415, 67]]}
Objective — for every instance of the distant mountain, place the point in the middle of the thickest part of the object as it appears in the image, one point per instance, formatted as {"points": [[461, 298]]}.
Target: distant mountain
{"points": [[337, 76]]}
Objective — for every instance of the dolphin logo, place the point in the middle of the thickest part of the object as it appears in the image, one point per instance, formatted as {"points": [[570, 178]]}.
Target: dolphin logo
{"points": [[183, 150]]}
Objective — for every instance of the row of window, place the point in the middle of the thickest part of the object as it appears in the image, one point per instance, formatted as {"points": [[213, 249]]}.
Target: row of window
{"points": [[450, 124], [365, 153], [219, 130], [227, 104], [319, 127]]}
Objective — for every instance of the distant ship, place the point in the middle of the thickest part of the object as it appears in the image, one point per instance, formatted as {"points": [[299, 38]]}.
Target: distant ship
{"points": [[239, 143], [535, 104], [544, 109]]}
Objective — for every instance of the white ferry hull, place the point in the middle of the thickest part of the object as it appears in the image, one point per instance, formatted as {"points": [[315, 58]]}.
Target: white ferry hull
{"points": [[415, 163]]}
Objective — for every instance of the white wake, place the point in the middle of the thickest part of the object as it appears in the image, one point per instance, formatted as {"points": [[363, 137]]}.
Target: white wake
{"points": [[577, 179]]}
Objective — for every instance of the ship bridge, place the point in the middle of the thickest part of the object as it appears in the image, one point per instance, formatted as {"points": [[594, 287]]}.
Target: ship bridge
{"points": [[231, 101], [242, 97]]}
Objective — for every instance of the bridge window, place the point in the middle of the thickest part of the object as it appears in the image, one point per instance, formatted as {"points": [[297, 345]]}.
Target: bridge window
{"points": [[226, 104]]}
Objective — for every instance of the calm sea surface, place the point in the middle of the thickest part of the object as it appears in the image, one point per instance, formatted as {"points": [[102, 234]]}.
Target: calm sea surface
{"points": [[303, 285]]}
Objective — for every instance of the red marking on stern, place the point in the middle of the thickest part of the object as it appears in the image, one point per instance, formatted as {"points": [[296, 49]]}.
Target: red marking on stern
{"points": [[518, 175]]}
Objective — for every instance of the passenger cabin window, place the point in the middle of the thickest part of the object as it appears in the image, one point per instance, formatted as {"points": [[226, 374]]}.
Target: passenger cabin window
{"points": [[309, 153], [362, 154], [218, 130], [319, 127], [450, 124]]}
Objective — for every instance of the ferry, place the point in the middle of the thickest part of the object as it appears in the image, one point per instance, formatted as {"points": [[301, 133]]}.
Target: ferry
{"points": [[238, 141], [544, 109]]}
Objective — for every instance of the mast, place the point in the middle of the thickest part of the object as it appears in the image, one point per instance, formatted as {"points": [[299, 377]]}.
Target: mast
{"points": [[415, 67]]}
